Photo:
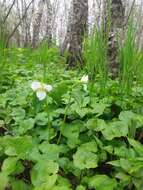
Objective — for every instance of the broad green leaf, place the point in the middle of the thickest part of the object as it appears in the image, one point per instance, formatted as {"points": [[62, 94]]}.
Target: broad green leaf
{"points": [[46, 133], [85, 156], [98, 108], [51, 150], [18, 113], [115, 129], [59, 91], [131, 118], [96, 124], [60, 188], [34, 155], [138, 147], [123, 177], [80, 187], [89, 146], [48, 184], [41, 118], [3, 180], [62, 184], [25, 125], [9, 165], [82, 112], [126, 116], [44, 173], [102, 182], [71, 132], [17, 146], [20, 185]]}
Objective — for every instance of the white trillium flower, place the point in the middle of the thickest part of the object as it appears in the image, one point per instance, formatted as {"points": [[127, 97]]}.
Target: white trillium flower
{"points": [[41, 94], [84, 78], [48, 87], [41, 89], [35, 85]]}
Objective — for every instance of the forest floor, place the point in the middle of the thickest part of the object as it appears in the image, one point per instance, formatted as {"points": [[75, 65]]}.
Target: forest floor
{"points": [[61, 131]]}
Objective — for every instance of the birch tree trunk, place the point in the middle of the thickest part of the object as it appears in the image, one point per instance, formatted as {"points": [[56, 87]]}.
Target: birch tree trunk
{"points": [[114, 21], [37, 23], [66, 41], [78, 28]]}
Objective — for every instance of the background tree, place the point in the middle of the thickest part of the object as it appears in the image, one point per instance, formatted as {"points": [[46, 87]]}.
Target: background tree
{"points": [[49, 14], [114, 17], [78, 28], [37, 23]]}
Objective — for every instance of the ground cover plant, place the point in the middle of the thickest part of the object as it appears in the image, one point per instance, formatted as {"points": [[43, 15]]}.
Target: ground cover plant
{"points": [[59, 130]]}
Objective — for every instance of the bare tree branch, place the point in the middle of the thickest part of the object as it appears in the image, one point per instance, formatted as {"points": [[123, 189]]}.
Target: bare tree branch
{"points": [[9, 11], [18, 24]]}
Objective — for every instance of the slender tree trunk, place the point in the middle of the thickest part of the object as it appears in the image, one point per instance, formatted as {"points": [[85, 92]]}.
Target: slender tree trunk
{"points": [[48, 34], [18, 24], [78, 29], [66, 41], [114, 21], [37, 23]]}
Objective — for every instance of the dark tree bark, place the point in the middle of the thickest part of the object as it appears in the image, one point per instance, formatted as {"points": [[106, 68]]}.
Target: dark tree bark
{"points": [[78, 28], [113, 22]]}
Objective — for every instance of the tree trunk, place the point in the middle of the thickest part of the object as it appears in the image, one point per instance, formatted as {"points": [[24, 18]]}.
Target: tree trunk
{"points": [[114, 20], [78, 28], [48, 34], [66, 41], [37, 23]]}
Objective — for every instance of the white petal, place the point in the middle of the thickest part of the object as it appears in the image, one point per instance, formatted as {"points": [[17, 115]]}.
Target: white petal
{"points": [[84, 78], [41, 94], [35, 85], [48, 87]]}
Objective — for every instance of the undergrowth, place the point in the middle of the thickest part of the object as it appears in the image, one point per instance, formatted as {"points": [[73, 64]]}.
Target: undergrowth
{"points": [[82, 135]]}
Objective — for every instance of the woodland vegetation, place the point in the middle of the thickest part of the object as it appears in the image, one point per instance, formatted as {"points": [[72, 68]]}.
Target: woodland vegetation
{"points": [[71, 95]]}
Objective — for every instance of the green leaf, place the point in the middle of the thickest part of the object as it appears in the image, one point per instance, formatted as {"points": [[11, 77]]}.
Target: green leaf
{"points": [[131, 118], [123, 177], [62, 184], [51, 150], [98, 108], [71, 132], [48, 184], [115, 129], [20, 185], [41, 119], [44, 173], [9, 165], [138, 147], [25, 125], [124, 152], [102, 182], [96, 124], [126, 116], [17, 146], [80, 187], [45, 133], [3, 180], [60, 188], [18, 113], [85, 156], [82, 112], [89, 146], [59, 91]]}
